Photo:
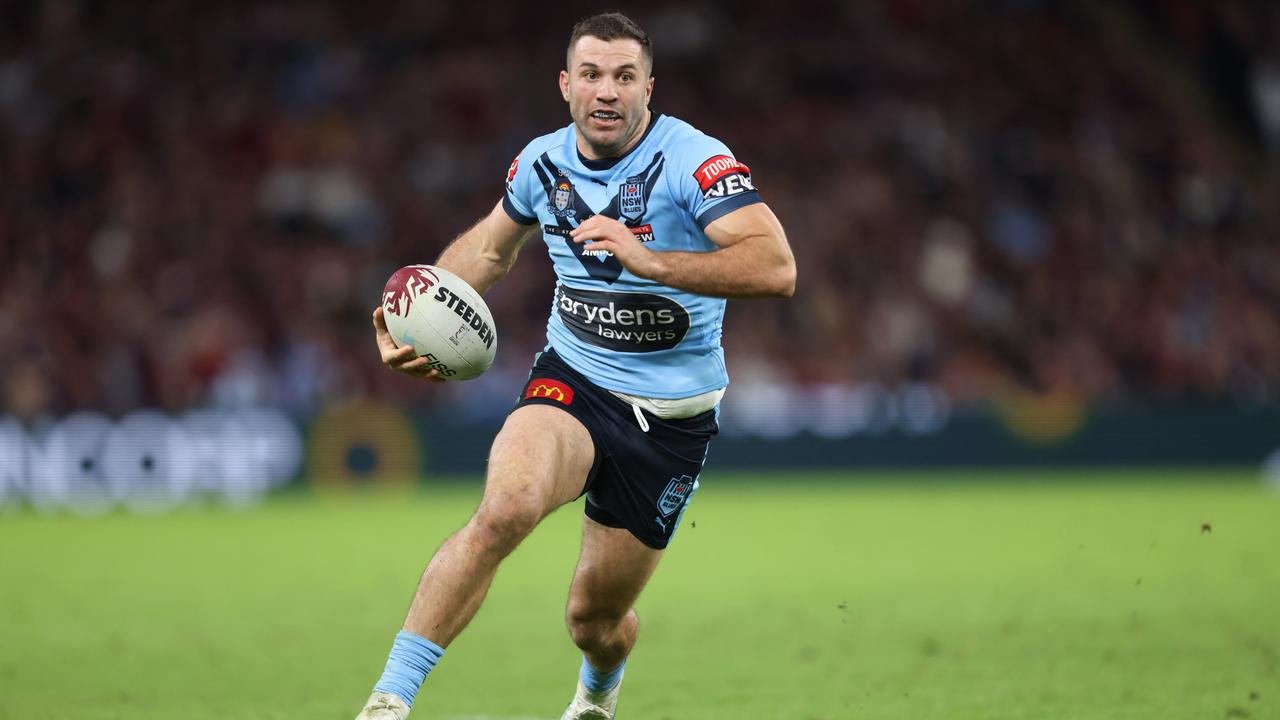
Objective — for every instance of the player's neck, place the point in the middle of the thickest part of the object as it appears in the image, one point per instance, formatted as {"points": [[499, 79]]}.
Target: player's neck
{"points": [[590, 153]]}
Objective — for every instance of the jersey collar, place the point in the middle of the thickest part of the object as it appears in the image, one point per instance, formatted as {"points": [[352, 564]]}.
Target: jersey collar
{"points": [[607, 163]]}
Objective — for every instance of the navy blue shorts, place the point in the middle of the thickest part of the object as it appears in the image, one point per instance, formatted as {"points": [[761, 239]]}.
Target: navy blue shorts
{"points": [[641, 479]]}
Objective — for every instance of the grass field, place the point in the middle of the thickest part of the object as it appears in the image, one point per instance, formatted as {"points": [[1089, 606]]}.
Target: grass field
{"points": [[1016, 595]]}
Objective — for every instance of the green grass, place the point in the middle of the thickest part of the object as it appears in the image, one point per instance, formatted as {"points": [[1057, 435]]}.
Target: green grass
{"points": [[891, 596]]}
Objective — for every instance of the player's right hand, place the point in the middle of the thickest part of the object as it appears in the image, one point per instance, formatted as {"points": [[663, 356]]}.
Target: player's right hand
{"points": [[400, 358]]}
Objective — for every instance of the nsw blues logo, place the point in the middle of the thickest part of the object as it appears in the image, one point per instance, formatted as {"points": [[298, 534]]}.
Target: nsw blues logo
{"points": [[631, 200], [677, 492]]}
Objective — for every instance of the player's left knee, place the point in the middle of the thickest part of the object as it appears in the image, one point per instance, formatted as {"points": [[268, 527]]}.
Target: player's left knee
{"points": [[589, 625], [589, 634]]}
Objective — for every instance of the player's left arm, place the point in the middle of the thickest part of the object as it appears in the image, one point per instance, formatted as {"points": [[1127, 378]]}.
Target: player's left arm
{"points": [[751, 259]]}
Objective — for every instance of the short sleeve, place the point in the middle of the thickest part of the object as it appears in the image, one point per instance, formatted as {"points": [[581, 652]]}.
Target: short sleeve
{"points": [[517, 200], [711, 182]]}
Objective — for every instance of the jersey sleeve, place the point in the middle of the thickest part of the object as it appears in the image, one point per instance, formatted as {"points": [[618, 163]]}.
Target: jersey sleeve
{"points": [[518, 199], [710, 182]]}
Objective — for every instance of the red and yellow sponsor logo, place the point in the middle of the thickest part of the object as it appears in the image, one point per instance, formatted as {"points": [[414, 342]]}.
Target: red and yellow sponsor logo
{"points": [[717, 168], [548, 388]]}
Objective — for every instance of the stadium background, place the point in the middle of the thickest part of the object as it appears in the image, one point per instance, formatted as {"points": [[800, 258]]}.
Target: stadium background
{"points": [[1029, 234]]}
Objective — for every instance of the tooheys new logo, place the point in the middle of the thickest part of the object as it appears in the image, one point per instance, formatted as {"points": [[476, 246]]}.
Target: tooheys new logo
{"points": [[626, 322], [722, 176]]}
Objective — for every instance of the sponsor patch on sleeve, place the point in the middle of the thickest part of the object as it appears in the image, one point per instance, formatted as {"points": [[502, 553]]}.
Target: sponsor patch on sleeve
{"points": [[511, 171], [548, 388], [722, 176]]}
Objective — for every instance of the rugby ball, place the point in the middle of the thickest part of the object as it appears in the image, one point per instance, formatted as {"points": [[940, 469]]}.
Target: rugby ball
{"points": [[443, 318]]}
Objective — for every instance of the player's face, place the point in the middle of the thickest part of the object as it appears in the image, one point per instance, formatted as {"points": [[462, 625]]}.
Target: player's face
{"points": [[607, 87]]}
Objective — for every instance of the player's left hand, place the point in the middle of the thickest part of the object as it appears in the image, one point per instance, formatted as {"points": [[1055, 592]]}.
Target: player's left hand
{"points": [[605, 233]]}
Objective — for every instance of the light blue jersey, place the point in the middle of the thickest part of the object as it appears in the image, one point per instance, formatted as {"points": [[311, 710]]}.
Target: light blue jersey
{"points": [[623, 332]]}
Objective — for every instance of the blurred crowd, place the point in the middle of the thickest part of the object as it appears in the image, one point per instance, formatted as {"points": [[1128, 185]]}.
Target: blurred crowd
{"points": [[200, 202]]}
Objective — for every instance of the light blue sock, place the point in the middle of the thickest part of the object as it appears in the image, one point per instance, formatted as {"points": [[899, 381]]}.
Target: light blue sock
{"points": [[412, 657], [596, 681]]}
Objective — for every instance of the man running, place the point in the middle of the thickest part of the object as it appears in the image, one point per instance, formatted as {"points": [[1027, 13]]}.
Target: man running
{"points": [[650, 225]]}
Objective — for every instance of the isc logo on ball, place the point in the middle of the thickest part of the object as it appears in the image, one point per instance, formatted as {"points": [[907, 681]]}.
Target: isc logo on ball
{"points": [[443, 318]]}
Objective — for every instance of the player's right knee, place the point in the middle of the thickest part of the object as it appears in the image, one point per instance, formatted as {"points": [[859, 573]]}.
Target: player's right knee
{"points": [[500, 526]]}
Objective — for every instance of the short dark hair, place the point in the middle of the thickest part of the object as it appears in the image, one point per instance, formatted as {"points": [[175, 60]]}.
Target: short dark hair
{"points": [[611, 26]]}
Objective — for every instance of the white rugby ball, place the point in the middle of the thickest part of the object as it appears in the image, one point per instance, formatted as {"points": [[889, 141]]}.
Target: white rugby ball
{"points": [[443, 318]]}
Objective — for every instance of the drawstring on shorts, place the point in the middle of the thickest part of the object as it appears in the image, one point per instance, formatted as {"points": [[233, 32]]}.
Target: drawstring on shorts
{"points": [[644, 424]]}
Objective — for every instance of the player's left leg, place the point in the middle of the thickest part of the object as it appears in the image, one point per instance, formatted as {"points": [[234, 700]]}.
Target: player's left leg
{"points": [[612, 570]]}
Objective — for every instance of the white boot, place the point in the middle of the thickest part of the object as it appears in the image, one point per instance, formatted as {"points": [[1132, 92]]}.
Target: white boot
{"points": [[384, 706], [589, 705]]}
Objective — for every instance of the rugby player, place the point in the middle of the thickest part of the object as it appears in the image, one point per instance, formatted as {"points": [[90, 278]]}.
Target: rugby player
{"points": [[650, 225]]}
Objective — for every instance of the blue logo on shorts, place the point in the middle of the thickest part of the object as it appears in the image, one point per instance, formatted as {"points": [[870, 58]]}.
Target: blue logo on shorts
{"points": [[678, 490]]}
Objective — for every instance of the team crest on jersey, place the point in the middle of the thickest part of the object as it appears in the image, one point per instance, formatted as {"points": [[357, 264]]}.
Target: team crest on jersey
{"points": [[631, 200], [677, 492], [562, 199]]}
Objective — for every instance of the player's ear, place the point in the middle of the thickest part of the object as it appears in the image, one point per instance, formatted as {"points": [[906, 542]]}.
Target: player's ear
{"points": [[648, 91], [564, 85]]}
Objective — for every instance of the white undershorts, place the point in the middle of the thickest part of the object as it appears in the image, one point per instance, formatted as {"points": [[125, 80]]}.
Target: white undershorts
{"points": [[675, 408]]}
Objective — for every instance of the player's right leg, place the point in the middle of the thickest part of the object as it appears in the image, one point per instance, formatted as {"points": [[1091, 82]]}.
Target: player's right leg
{"points": [[539, 461]]}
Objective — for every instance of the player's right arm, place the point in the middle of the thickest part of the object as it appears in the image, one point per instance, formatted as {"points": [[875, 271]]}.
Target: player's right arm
{"points": [[485, 253], [482, 256]]}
